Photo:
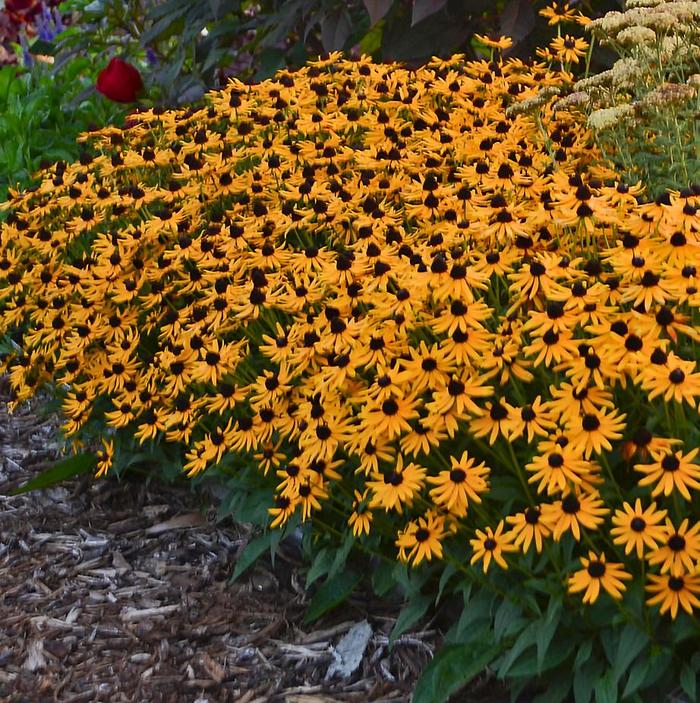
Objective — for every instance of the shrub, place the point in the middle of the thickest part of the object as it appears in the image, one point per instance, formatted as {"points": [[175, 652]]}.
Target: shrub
{"points": [[423, 325]]}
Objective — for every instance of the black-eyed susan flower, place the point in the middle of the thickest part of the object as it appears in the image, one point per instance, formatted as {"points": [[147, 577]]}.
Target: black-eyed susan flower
{"points": [[527, 528], [490, 545], [465, 481], [637, 527], [598, 573], [568, 49], [671, 591], [674, 471], [361, 517], [679, 548], [572, 512], [592, 432], [398, 486], [422, 539]]}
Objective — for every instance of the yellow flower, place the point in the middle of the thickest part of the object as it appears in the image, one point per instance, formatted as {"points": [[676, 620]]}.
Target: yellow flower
{"points": [[597, 573], [421, 539]]}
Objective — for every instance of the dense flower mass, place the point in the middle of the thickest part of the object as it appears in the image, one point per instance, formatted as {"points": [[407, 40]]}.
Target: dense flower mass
{"points": [[407, 306]]}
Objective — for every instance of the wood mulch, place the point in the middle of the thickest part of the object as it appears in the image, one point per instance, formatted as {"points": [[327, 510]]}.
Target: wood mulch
{"points": [[121, 592]]}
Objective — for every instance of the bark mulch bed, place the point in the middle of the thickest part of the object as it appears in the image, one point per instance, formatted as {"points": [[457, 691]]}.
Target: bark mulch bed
{"points": [[121, 592]]}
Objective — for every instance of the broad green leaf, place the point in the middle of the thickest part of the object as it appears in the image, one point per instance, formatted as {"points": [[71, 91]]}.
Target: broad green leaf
{"points": [[341, 556], [585, 678], [320, 566], [372, 41], [447, 573], [383, 578], [583, 653], [517, 19], [410, 614], [451, 669], [689, 682], [425, 8], [336, 27], [507, 613], [546, 629], [251, 553], [331, 594], [527, 638], [61, 471], [557, 689], [632, 642], [377, 9], [606, 688]]}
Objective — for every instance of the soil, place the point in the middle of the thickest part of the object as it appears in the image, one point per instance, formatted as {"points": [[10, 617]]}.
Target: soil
{"points": [[121, 592]]}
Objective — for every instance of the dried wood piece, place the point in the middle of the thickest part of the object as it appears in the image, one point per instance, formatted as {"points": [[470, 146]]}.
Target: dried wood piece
{"points": [[133, 614], [178, 523]]}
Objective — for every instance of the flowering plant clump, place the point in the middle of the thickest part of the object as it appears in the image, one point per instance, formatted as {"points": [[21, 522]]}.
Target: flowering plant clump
{"points": [[441, 331], [643, 109]]}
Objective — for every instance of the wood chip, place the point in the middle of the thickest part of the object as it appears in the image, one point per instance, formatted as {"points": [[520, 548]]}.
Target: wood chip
{"points": [[133, 614], [35, 660], [178, 523]]}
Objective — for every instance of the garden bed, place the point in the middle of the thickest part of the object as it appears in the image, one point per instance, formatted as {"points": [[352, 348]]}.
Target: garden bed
{"points": [[121, 592]]}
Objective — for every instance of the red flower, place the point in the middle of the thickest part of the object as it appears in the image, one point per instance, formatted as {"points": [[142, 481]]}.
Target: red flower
{"points": [[22, 10], [120, 81]]}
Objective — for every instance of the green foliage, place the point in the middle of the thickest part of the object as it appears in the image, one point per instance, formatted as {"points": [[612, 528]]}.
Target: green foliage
{"points": [[331, 594], [42, 111], [194, 46], [451, 668], [61, 471]]}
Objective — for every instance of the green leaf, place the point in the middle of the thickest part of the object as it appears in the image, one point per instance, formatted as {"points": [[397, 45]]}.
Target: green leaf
{"points": [[507, 613], [583, 654], [517, 19], [636, 677], [425, 8], [689, 682], [377, 9], [606, 688], [526, 638], [251, 553], [331, 594], [341, 555], [546, 629], [410, 614], [383, 578], [320, 566], [451, 669], [373, 39], [336, 28], [269, 61], [65, 469], [447, 573], [632, 641], [44, 48], [585, 678]]}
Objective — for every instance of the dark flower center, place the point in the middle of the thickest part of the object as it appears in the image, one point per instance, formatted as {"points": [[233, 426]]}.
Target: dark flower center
{"points": [[670, 463], [596, 569], [676, 543], [637, 524], [676, 583], [590, 423], [422, 534], [571, 505], [532, 516], [458, 475]]}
